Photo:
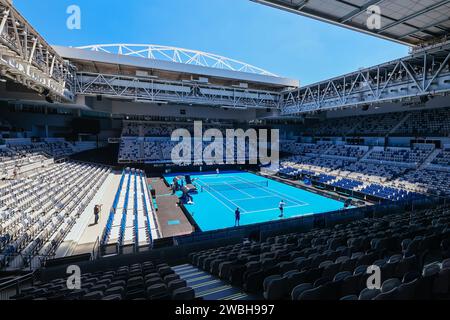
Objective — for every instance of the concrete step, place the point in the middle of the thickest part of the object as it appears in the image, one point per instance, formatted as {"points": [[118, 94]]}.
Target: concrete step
{"points": [[208, 286]]}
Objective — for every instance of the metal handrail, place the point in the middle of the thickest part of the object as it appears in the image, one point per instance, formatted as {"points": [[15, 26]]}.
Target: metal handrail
{"points": [[29, 265], [96, 249], [13, 287]]}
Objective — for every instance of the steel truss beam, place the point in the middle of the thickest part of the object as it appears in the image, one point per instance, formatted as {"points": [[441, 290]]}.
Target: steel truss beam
{"points": [[25, 57], [178, 55], [423, 73], [142, 89], [414, 15]]}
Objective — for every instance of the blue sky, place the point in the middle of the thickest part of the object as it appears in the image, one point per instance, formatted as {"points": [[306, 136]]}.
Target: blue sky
{"points": [[280, 42]]}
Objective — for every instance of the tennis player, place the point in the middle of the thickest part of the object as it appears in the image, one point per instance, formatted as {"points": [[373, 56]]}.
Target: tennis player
{"points": [[281, 207], [237, 217]]}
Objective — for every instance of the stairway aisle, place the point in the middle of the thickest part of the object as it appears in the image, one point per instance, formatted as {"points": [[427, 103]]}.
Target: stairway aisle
{"points": [[209, 287], [429, 159]]}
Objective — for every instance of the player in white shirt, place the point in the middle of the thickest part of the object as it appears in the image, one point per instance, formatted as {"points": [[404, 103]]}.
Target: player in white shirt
{"points": [[281, 207]]}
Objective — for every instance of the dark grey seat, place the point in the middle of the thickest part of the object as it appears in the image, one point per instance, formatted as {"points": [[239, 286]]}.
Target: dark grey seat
{"points": [[185, 293], [94, 295], [390, 284], [298, 290], [176, 284], [156, 289], [368, 294]]}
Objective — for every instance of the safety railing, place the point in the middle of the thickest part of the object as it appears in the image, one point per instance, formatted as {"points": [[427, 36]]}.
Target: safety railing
{"points": [[13, 287], [15, 262]]}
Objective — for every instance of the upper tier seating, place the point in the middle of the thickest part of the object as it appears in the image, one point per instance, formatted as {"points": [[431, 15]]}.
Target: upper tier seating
{"points": [[381, 172], [377, 125], [149, 142], [406, 155], [136, 129], [151, 150], [414, 155], [160, 129], [363, 171], [305, 148], [370, 125], [316, 164], [336, 174], [346, 151], [443, 158], [435, 122], [331, 127], [370, 172], [55, 148], [5, 127], [130, 150]]}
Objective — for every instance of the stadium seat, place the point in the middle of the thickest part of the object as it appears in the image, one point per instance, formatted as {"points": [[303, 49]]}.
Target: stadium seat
{"points": [[368, 294], [183, 294], [298, 290], [156, 289], [390, 284], [176, 284]]}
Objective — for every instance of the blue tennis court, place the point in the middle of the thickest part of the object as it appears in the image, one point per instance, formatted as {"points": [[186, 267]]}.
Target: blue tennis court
{"points": [[257, 197]]}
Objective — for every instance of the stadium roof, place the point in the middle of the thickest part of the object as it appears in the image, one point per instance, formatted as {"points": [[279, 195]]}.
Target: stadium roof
{"points": [[180, 55], [410, 22], [169, 62]]}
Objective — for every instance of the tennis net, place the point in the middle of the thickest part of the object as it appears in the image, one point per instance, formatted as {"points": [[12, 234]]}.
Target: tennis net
{"points": [[223, 186]]}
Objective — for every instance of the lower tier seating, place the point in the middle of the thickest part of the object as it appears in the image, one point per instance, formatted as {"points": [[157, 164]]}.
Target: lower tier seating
{"points": [[38, 209], [410, 248], [132, 218], [153, 281]]}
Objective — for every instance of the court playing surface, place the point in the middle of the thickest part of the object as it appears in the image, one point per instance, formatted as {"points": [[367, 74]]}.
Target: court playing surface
{"points": [[257, 198]]}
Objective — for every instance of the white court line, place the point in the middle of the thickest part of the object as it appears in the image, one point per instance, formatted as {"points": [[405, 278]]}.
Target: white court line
{"points": [[279, 194], [303, 215], [273, 209], [232, 210], [241, 191], [254, 198], [269, 191], [215, 177]]}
